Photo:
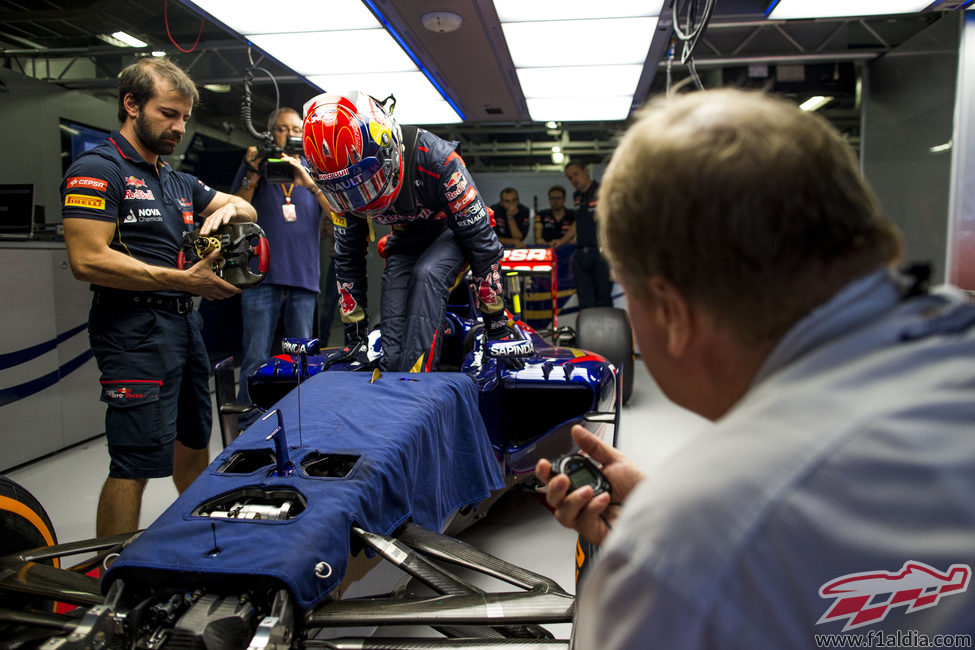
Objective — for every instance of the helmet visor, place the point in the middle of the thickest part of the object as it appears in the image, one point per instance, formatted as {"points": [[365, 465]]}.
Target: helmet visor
{"points": [[366, 182]]}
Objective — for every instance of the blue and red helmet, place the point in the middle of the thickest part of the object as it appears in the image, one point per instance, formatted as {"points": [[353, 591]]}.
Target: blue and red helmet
{"points": [[353, 147]]}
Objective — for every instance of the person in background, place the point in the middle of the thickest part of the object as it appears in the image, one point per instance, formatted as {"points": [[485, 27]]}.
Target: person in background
{"points": [[834, 489], [328, 291], [594, 287], [125, 211], [374, 170], [290, 214], [511, 219], [556, 226]]}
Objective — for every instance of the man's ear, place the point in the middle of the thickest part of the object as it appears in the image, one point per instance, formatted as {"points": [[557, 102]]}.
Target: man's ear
{"points": [[673, 313], [130, 105]]}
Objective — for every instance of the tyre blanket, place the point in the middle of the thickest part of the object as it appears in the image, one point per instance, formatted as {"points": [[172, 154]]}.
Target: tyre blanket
{"points": [[423, 453]]}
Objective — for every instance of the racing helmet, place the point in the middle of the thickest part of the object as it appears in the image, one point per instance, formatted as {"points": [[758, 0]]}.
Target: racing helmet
{"points": [[353, 147]]}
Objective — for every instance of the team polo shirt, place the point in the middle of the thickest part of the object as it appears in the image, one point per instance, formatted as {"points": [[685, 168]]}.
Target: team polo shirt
{"points": [[295, 245], [553, 228], [150, 205], [586, 215]]}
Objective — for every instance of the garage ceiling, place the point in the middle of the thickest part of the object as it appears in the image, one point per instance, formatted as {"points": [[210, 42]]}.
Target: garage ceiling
{"points": [[57, 40]]}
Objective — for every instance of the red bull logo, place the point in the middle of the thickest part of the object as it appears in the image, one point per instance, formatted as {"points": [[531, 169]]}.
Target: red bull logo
{"points": [[867, 598], [135, 182], [346, 301]]}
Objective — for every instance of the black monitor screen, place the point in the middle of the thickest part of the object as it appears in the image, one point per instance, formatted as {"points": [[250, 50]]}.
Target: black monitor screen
{"points": [[76, 139], [16, 211]]}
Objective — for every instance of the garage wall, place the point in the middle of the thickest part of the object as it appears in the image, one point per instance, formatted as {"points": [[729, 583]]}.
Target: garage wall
{"points": [[908, 109], [961, 242], [30, 111]]}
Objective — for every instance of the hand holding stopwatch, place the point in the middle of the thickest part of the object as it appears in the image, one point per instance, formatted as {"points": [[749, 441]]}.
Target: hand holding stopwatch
{"points": [[581, 471]]}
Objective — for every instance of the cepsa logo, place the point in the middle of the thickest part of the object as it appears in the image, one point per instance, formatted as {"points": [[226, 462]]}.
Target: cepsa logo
{"points": [[867, 598], [463, 201], [83, 201], [99, 184]]}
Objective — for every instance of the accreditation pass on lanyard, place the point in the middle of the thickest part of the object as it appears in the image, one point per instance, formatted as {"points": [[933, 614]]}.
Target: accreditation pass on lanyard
{"points": [[288, 208]]}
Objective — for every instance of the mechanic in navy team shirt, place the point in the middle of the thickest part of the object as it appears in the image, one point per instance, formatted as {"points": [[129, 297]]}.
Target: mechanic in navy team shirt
{"points": [[290, 214], [556, 226], [125, 211], [511, 219], [593, 285], [372, 169]]}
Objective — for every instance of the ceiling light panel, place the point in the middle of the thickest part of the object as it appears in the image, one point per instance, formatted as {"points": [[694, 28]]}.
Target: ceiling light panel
{"points": [[793, 9], [579, 109], [519, 10], [337, 46], [417, 102], [309, 53], [593, 42], [288, 16], [596, 79]]}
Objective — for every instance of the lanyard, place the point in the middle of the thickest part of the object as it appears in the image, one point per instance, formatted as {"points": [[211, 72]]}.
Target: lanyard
{"points": [[287, 192]]}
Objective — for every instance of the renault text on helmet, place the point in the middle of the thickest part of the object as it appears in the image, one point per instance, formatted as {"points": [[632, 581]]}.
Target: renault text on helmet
{"points": [[353, 147]]}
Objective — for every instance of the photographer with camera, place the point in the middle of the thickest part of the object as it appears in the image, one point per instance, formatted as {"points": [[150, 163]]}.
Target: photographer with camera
{"points": [[289, 209]]}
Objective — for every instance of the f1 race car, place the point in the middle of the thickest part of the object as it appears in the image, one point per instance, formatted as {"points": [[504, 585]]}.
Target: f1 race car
{"points": [[345, 468]]}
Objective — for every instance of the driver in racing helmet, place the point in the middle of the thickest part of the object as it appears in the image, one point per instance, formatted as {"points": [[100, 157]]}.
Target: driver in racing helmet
{"points": [[371, 168]]}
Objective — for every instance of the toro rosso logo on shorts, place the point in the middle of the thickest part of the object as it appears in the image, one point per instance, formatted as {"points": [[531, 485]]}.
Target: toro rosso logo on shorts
{"points": [[122, 393], [867, 598]]}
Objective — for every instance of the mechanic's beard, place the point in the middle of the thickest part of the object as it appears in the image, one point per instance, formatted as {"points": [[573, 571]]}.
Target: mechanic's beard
{"points": [[161, 144]]}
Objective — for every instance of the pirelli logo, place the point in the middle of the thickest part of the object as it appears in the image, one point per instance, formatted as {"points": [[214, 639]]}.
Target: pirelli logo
{"points": [[83, 201], [338, 220], [99, 184]]}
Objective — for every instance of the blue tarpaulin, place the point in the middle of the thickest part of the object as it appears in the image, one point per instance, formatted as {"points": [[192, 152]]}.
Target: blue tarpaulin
{"points": [[423, 453]]}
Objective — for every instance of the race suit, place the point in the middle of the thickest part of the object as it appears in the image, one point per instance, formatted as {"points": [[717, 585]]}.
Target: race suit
{"points": [[440, 224]]}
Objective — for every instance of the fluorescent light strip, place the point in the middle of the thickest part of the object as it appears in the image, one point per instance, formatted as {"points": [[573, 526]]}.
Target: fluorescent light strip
{"points": [[121, 39], [129, 40], [815, 103], [794, 9], [519, 10]]}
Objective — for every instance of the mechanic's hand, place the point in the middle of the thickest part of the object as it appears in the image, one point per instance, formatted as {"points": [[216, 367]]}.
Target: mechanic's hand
{"points": [[219, 217], [579, 510], [504, 333], [200, 280], [302, 177]]}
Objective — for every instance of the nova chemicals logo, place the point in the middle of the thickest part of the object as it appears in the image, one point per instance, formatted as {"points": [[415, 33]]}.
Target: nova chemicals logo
{"points": [[867, 598]]}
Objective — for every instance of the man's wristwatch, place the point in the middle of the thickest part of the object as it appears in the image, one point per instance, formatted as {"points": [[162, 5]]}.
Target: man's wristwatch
{"points": [[246, 184]]}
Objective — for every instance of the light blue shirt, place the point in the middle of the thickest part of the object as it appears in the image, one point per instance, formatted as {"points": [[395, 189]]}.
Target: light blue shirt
{"points": [[853, 452]]}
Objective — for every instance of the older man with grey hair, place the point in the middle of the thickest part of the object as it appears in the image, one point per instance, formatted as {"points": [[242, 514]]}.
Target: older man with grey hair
{"points": [[833, 492]]}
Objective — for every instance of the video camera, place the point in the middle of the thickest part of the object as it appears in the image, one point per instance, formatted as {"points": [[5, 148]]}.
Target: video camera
{"points": [[272, 167]]}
